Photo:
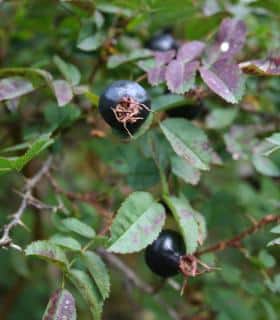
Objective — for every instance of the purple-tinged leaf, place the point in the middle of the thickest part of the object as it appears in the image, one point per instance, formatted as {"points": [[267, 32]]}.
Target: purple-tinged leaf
{"points": [[156, 75], [262, 67], [225, 79], [180, 77], [164, 57], [137, 224], [63, 92], [185, 217], [229, 40], [190, 51], [61, 306], [14, 87]]}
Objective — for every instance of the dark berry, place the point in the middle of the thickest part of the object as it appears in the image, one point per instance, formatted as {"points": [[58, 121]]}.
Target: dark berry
{"points": [[125, 105], [163, 41], [163, 255], [190, 112]]}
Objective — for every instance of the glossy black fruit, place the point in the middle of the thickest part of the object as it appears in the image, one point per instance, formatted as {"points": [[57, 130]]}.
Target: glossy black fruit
{"points": [[125, 105], [163, 255], [163, 41]]}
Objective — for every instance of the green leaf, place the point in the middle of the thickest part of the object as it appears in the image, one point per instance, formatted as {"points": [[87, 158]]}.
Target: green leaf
{"points": [[168, 101], [274, 285], [221, 118], [230, 304], [185, 218], [47, 251], [116, 60], [69, 71], [98, 271], [182, 169], [61, 117], [17, 163], [274, 242], [275, 139], [92, 43], [266, 259], [61, 306], [88, 290], [36, 148], [137, 224], [143, 174], [188, 141], [144, 127], [76, 226], [266, 166], [275, 229], [66, 242]]}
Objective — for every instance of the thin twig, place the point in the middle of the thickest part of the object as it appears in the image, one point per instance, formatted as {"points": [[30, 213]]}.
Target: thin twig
{"points": [[136, 281], [6, 240], [89, 197], [235, 242]]}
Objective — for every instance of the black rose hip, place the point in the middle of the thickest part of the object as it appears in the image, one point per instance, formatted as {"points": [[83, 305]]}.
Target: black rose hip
{"points": [[125, 105], [162, 41], [163, 255]]}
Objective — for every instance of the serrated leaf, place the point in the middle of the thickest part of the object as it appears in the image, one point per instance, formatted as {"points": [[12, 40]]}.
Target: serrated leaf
{"points": [[190, 51], [156, 75], [14, 87], [184, 216], [188, 141], [76, 226], [66, 242], [229, 40], [137, 224], [182, 169], [180, 76], [92, 43], [17, 163], [225, 79], [61, 306], [47, 251], [69, 71], [36, 148], [98, 271], [63, 92], [88, 290], [163, 58], [262, 67]]}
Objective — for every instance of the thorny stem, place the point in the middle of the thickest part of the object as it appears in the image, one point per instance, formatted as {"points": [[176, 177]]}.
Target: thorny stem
{"points": [[235, 242], [6, 240], [90, 198]]}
